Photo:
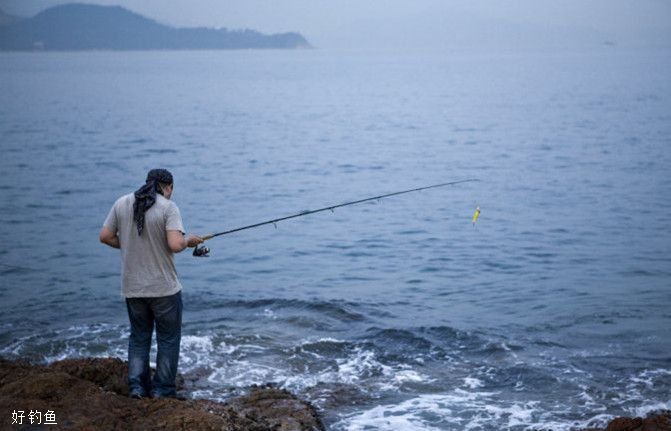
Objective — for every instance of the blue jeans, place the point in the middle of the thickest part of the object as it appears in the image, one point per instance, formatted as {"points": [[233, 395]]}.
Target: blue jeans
{"points": [[166, 313]]}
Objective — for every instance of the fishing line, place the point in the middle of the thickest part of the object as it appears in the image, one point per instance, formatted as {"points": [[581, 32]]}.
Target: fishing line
{"points": [[202, 251]]}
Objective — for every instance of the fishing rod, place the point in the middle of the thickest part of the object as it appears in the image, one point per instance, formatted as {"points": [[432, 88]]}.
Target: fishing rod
{"points": [[202, 251]]}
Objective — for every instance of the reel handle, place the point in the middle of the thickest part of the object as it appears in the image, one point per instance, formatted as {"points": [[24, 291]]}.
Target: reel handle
{"points": [[202, 251]]}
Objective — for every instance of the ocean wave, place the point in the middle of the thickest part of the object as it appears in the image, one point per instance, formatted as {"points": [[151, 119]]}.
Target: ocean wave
{"points": [[457, 410], [338, 310], [417, 378], [95, 340], [471, 410]]}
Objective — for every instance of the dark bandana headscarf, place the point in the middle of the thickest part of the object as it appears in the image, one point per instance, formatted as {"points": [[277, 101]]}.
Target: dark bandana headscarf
{"points": [[145, 196]]}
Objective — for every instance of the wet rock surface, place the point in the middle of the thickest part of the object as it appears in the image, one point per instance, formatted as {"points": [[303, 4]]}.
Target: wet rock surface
{"points": [[91, 394], [658, 421]]}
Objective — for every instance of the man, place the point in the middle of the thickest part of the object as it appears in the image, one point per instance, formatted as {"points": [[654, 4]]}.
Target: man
{"points": [[147, 227]]}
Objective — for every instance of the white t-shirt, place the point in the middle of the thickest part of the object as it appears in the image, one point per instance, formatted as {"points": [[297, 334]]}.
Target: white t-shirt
{"points": [[147, 263]]}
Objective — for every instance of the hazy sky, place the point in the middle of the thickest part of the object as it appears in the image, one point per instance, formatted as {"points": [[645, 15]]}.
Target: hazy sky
{"points": [[414, 23]]}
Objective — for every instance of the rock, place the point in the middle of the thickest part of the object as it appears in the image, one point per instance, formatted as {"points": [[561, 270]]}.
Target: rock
{"points": [[111, 374], [657, 421], [87, 394], [278, 407]]}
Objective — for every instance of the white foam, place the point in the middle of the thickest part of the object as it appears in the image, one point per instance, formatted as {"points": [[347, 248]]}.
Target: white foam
{"points": [[348, 370], [242, 374], [473, 383], [405, 376], [405, 416], [363, 363], [195, 349], [300, 348], [647, 377], [268, 314], [516, 414], [197, 343], [644, 409], [459, 409], [97, 340], [321, 340], [597, 421], [588, 400], [357, 366], [205, 394], [248, 348]]}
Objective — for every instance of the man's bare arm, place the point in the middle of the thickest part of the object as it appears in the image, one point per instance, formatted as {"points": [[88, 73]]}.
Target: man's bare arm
{"points": [[110, 238], [177, 241]]}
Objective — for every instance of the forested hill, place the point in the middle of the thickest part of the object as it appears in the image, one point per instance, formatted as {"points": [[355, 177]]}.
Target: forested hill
{"points": [[6, 19], [74, 27]]}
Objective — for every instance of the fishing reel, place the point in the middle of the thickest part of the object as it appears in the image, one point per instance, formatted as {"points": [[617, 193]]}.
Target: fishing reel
{"points": [[201, 251]]}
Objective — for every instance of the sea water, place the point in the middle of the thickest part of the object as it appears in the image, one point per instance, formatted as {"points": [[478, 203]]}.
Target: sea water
{"points": [[553, 311]]}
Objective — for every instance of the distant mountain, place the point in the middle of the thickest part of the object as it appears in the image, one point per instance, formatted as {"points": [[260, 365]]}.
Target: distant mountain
{"points": [[6, 19], [73, 27]]}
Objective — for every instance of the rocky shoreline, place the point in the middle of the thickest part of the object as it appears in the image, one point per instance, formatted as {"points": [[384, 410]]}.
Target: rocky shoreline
{"points": [[660, 421], [91, 394]]}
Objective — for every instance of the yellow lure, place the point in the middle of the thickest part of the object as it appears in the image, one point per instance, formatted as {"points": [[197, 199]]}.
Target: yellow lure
{"points": [[476, 215]]}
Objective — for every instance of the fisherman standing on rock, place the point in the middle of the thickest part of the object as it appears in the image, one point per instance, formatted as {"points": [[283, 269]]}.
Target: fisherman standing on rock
{"points": [[147, 227]]}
